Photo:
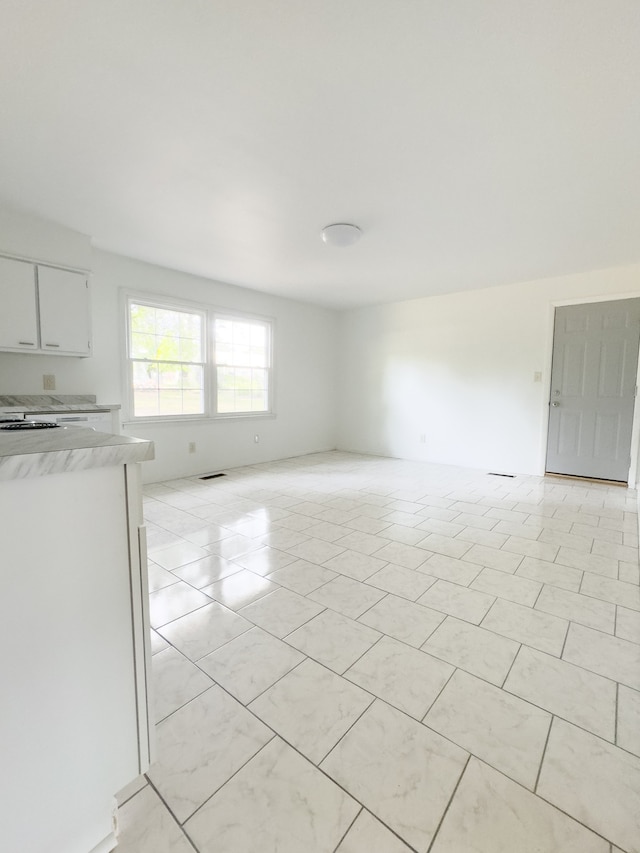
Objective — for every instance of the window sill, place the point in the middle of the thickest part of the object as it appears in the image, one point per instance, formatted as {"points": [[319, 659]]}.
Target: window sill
{"points": [[197, 419]]}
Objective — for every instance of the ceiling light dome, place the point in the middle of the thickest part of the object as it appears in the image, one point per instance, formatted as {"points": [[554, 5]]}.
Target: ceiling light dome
{"points": [[341, 234]]}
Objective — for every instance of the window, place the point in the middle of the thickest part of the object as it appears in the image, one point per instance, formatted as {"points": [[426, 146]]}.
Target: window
{"points": [[171, 375], [242, 365]]}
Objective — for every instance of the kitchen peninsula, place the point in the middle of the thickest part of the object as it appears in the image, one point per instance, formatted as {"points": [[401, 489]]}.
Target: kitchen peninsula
{"points": [[74, 720]]}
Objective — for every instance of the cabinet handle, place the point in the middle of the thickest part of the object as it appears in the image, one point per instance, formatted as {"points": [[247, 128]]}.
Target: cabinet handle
{"points": [[52, 345], [26, 343]]}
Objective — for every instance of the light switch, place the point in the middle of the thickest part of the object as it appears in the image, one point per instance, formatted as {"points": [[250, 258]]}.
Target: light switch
{"points": [[537, 376]]}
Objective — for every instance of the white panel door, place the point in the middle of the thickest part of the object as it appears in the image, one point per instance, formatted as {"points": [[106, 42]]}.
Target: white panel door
{"points": [[64, 311], [593, 379], [18, 316]]}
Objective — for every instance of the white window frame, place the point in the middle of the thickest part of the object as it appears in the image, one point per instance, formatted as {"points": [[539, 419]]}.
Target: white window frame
{"points": [[209, 314]]}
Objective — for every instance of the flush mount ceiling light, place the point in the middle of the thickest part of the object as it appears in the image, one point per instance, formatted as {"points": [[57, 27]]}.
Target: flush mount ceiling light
{"points": [[341, 234]]}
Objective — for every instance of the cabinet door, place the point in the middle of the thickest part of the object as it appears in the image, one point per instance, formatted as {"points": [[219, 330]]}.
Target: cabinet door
{"points": [[64, 312], [18, 318]]}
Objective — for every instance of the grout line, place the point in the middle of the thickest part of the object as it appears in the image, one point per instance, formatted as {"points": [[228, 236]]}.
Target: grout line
{"points": [[170, 810], [453, 793], [544, 752]]}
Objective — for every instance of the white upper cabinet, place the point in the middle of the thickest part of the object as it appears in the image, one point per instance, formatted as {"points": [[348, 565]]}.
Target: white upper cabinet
{"points": [[64, 311], [43, 309], [18, 313]]}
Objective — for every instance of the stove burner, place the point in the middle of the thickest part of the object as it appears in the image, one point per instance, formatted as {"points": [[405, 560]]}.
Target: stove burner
{"points": [[19, 425]]}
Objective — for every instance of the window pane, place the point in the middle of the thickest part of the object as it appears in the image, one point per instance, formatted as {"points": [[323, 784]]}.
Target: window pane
{"points": [[258, 402], [240, 355], [172, 381], [170, 402], [143, 318], [223, 331], [192, 402], [226, 402], [259, 379], [145, 403], [241, 333]]}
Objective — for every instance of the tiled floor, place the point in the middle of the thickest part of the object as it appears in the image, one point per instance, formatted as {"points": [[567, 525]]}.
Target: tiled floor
{"points": [[366, 655]]}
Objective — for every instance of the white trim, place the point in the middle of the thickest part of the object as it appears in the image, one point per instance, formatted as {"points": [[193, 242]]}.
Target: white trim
{"points": [[210, 313], [635, 426], [30, 260]]}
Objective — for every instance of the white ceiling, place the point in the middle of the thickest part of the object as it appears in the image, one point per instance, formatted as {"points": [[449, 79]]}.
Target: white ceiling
{"points": [[475, 142]]}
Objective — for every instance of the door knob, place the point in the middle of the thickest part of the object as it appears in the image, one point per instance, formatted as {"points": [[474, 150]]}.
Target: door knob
{"points": [[555, 403]]}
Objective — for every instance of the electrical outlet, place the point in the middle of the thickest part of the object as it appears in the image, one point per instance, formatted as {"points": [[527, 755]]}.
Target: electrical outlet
{"points": [[49, 382], [192, 447], [256, 438], [537, 376]]}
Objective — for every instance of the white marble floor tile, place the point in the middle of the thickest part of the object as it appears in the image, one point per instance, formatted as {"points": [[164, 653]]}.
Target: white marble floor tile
{"points": [[208, 535], [178, 555], [240, 589], [473, 649], [206, 571], [199, 633], [566, 540], [629, 572], [234, 546], [365, 543], [130, 790], [504, 585], [174, 601], [278, 801], [201, 746], [406, 583], [493, 558], [158, 643], [480, 522], [603, 654], [530, 548], [470, 605], [594, 782], [616, 552], [355, 565], [404, 677], [491, 814], [347, 596], [614, 591], [525, 625], [628, 624], [446, 545], [281, 612], [249, 664], [438, 525], [408, 556], [477, 536], [333, 640], [594, 531], [578, 608], [315, 550], [592, 563], [147, 826], [400, 770], [159, 577], [326, 530], [402, 619], [265, 560], [283, 539], [568, 691], [550, 573], [175, 682], [450, 569], [368, 835], [506, 732], [628, 732], [311, 708], [302, 577]]}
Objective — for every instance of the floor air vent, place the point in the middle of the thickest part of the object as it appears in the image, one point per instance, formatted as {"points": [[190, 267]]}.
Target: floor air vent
{"points": [[492, 474], [212, 476]]}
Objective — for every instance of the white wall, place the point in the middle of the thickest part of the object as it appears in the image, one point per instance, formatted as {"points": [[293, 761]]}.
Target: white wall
{"points": [[304, 358], [459, 369]]}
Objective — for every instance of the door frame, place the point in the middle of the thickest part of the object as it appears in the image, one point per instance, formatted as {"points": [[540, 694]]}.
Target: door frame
{"points": [[633, 475]]}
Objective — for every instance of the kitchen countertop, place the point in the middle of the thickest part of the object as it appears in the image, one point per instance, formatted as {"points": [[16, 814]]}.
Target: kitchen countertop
{"points": [[53, 451], [42, 403]]}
